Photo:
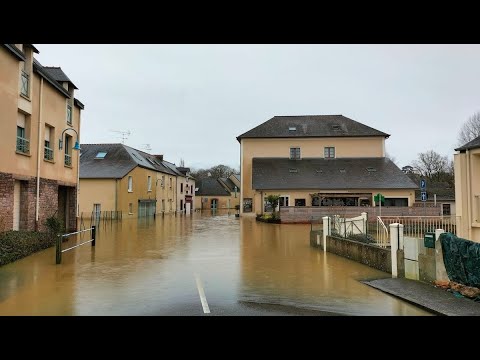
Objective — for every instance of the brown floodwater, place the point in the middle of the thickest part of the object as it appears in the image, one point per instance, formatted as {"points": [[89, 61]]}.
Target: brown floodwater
{"points": [[150, 267]]}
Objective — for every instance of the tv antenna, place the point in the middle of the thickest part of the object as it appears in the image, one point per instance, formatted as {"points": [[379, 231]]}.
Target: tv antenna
{"points": [[124, 134], [146, 147]]}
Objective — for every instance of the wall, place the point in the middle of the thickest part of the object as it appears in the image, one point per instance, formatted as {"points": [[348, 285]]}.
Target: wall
{"points": [[467, 194], [304, 214], [166, 193], [373, 256], [309, 147], [96, 191], [221, 204], [139, 192]]}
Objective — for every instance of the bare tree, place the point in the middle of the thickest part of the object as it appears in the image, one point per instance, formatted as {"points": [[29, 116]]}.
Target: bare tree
{"points": [[391, 158], [431, 164], [470, 129], [218, 171]]}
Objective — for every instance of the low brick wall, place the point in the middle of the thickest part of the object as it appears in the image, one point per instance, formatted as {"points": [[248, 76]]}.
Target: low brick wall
{"points": [[373, 256], [304, 214]]}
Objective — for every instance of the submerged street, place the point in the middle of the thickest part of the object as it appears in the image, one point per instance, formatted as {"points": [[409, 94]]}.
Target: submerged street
{"points": [[205, 264]]}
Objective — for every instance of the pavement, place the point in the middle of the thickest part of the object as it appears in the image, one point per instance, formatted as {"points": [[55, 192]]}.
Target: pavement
{"points": [[427, 296]]}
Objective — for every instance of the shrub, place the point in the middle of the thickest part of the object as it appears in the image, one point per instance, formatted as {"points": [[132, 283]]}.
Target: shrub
{"points": [[54, 226], [364, 238], [15, 245]]}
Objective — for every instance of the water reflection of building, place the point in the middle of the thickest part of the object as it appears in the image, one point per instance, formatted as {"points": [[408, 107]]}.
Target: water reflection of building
{"points": [[320, 160]]}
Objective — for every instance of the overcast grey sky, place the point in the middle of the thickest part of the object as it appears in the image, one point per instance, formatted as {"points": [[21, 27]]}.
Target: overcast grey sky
{"points": [[191, 101]]}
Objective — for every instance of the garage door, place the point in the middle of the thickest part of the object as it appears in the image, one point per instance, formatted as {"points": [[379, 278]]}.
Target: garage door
{"points": [[16, 206], [146, 208]]}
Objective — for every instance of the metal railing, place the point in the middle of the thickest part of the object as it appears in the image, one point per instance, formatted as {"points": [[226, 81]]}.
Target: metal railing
{"points": [[23, 145], [96, 217], [68, 159], [48, 154], [25, 83], [59, 251], [417, 226], [382, 236]]}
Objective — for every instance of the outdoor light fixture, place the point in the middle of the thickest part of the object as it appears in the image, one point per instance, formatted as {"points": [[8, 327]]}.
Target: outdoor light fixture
{"points": [[60, 141]]}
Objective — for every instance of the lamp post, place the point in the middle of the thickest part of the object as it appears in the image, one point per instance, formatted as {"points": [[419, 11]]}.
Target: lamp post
{"points": [[60, 141]]}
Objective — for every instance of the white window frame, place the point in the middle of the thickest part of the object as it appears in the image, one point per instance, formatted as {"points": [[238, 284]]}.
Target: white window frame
{"points": [[149, 183], [325, 149], [295, 153], [130, 184]]}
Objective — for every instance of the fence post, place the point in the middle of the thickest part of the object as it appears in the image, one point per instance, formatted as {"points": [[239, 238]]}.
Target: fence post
{"points": [[394, 243], [326, 231], [440, 271], [58, 248], [93, 234], [365, 217]]}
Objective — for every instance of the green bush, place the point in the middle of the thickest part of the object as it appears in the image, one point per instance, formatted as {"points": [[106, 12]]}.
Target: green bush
{"points": [[364, 238], [54, 226], [15, 245]]}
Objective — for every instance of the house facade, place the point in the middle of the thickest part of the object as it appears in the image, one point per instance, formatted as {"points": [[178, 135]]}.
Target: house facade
{"points": [[40, 125], [118, 178], [467, 190], [222, 193], [185, 188], [318, 160]]}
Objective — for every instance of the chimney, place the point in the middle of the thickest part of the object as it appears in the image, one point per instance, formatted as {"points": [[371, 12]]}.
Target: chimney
{"points": [[158, 157]]}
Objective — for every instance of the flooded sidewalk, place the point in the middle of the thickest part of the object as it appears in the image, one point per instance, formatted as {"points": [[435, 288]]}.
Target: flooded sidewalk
{"points": [[164, 266]]}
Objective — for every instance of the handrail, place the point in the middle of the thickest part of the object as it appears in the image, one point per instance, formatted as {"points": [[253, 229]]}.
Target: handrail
{"points": [[59, 251], [383, 240]]}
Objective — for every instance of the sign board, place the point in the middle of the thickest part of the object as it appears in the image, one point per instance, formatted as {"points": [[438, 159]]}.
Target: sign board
{"points": [[424, 195], [423, 184]]}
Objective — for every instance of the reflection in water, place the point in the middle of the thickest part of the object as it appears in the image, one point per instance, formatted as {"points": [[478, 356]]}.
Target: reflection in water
{"points": [[147, 266]]}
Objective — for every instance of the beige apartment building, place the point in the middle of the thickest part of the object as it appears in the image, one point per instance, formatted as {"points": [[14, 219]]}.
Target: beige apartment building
{"points": [[318, 160], [117, 178], [467, 190], [40, 126]]}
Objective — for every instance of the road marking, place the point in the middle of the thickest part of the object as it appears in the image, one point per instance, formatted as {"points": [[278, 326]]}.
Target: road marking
{"points": [[201, 293]]}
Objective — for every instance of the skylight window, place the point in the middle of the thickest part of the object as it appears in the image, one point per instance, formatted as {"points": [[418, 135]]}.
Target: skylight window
{"points": [[336, 127], [101, 155], [371, 169], [150, 161], [293, 170], [292, 128], [343, 171]]}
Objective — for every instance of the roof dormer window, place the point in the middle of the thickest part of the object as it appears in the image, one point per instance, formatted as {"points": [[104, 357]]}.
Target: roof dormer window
{"points": [[292, 128], [101, 155]]}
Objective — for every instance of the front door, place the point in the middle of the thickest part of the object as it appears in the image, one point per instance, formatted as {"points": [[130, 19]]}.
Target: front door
{"points": [[214, 204]]}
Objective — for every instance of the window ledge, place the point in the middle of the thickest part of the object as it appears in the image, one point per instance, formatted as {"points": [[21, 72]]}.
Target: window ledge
{"points": [[130, 213], [149, 190], [50, 161], [25, 97], [22, 153], [68, 166]]}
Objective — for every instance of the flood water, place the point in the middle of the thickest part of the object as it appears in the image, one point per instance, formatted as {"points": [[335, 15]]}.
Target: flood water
{"points": [[156, 267]]}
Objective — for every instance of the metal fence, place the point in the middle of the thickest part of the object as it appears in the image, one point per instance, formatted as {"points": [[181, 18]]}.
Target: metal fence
{"points": [[96, 217], [417, 226]]}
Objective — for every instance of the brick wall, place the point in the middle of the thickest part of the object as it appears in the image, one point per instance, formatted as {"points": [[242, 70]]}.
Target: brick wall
{"points": [[48, 204], [304, 214], [6, 201]]}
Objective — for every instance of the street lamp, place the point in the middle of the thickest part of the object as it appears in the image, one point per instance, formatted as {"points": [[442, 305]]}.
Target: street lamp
{"points": [[60, 141]]}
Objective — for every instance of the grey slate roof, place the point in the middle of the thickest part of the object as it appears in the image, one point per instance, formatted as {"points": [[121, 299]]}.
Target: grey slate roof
{"points": [[210, 187], [474, 144], [58, 74], [311, 126], [119, 161], [228, 184], [323, 174], [37, 67]]}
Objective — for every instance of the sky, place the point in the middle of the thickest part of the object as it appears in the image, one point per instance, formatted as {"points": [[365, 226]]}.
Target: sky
{"points": [[190, 102]]}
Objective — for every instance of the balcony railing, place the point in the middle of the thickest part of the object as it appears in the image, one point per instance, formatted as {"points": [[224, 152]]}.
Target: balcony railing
{"points": [[68, 160], [25, 84], [23, 145], [48, 154]]}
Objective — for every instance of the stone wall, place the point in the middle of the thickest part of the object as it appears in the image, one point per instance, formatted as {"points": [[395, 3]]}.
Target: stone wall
{"points": [[48, 204], [373, 256], [6, 201], [304, 214]]}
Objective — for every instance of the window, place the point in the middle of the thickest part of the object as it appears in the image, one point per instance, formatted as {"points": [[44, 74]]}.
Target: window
{"points": [[24, 83], [395, 202], [149, 183], [48, 150], [170, 183], [293, 170], [101, 155], [191, 189], [163, 181], [181, 187], [130, 184], [69, 114], [23, 144], [181, 205], [283, 200], [295, 153], [163, 204], [300, 202], [130, 208], [247, 205], [68, 150], [329, 152], [292, 128], [446, 209]]}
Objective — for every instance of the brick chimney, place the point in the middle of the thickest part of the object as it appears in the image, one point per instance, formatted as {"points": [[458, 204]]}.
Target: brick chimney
{"points": [[158, 157]]}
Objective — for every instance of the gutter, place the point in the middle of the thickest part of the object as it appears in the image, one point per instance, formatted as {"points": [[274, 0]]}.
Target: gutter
{"points": [[37, 204], [469, 196]]}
